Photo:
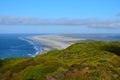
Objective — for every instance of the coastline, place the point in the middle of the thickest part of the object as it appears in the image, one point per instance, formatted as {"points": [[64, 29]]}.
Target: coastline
{"points": [[36, 48], [54, 42]]}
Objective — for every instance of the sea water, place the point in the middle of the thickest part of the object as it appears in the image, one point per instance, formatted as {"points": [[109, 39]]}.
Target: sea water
{"points": [[99, 37], [16, 45]]}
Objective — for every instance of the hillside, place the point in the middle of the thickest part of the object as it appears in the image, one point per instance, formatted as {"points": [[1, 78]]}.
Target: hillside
{"points": [[80, 61]]}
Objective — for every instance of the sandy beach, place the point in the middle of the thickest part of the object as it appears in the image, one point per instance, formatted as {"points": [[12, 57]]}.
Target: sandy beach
{"points": [[54, 41]]}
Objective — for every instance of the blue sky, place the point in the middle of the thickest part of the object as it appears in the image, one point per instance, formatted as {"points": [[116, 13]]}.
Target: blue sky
{"points": [[61, 9]]}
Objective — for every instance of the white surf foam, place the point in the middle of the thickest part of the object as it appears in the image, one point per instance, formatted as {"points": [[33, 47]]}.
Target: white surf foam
{"points": [[37, 48]]}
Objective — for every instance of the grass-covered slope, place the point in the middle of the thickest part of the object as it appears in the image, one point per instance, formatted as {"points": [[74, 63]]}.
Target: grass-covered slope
{"points": [[81, 61]]}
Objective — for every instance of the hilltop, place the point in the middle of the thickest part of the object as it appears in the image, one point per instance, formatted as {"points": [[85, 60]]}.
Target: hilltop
{"points": [[80, 61]]}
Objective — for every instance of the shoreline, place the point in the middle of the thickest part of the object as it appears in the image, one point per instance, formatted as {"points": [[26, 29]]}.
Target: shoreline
{"points": [[54, 42], [38, 50]]}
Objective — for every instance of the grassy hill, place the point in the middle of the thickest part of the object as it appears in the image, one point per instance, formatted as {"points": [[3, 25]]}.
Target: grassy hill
{"points": [[81, 61]]}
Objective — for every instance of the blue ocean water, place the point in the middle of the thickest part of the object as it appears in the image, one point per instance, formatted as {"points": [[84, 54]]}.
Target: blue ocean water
{"points": [[16, 45]]}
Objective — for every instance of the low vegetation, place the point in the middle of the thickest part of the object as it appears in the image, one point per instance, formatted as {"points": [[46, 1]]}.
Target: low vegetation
{"points": [[80, 61]]}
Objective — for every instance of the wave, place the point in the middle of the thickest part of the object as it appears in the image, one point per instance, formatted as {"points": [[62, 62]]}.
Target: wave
{"points": [[37, 48]]}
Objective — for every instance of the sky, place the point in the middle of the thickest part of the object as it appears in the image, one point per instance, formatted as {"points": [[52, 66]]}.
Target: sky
{"points": [[60, 16]]}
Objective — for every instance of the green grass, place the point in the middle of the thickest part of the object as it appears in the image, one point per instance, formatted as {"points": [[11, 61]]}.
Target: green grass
{"points": [[80, 61]]}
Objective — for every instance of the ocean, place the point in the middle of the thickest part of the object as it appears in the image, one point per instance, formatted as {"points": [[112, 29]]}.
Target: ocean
{"points": [[98, 37], [17, 45]]}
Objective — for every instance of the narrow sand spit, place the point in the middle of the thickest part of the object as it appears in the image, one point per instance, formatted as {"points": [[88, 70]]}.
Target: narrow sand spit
{"points": [[55, 41]]}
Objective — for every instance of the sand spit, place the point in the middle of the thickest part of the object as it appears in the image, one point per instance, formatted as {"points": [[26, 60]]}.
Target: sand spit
{"points": [[54, 41]]}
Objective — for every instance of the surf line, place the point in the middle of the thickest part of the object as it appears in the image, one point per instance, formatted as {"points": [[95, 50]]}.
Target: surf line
{"points": [[37, 48]]}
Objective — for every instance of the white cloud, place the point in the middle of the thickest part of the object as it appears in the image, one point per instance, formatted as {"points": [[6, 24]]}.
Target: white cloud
{"points": [[36, 21]]}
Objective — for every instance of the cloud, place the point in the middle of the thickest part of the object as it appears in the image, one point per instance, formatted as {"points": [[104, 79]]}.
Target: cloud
{"points": [[8, 20], [118, 14]]}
